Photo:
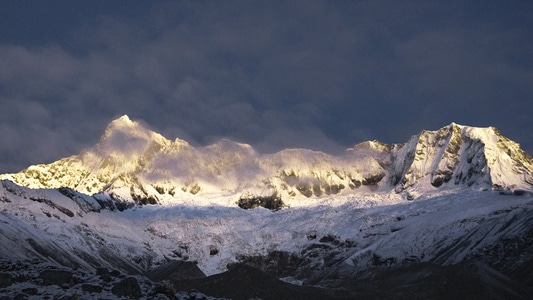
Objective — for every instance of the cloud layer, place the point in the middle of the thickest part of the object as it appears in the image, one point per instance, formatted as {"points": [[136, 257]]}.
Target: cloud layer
{"points": [[312, 74]]}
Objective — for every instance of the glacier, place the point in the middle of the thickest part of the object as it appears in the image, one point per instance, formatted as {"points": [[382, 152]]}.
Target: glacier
{"points": [[136, 201]]}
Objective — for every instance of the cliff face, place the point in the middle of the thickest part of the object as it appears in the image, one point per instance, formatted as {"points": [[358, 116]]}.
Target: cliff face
{"points": [[135, 162], [462, 155]]}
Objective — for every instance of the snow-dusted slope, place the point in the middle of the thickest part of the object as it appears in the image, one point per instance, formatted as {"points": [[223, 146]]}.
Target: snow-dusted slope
{"points": [[133, 162], [343, 234], [435, 200], [461, 155]]}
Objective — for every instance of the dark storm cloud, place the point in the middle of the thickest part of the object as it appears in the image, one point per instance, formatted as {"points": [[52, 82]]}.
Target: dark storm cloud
{"points": [[314, 74]]}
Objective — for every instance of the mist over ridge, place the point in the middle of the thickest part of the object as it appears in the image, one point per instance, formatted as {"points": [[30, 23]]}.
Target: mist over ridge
{"points": [[135, 162]]}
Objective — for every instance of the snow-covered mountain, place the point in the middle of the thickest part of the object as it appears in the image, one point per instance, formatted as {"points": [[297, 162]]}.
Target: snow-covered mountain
{"points": [[380, 221], [133, 162]]}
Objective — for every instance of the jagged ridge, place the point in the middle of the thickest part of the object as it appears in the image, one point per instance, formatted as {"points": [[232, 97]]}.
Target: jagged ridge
{"points": [[132, 162]]}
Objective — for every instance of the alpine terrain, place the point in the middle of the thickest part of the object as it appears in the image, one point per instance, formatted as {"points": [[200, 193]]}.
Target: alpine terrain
{"points": [[448, 214]]}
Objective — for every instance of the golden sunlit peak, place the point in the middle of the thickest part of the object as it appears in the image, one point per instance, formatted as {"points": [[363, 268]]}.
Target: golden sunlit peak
{"points": [[120, 124], [124, 120]]}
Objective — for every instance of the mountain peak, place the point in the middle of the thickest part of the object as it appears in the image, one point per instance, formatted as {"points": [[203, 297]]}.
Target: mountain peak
{"points": [[373, 145], [121, 124], [132, 156], [123, 130], [124, 119]]}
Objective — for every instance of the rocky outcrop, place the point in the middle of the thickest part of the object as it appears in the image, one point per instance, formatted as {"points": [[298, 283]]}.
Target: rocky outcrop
{"points": [[61, 278], [38, 280], [272, 202], [177, 270], [128, 287], [5, 280]]}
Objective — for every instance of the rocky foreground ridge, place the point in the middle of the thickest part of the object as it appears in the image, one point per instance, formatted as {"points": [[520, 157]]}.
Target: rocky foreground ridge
{"points": [[133, 163]]}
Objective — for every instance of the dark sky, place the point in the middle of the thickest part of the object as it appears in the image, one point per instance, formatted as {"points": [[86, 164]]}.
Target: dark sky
{"points": [[323, 75]]}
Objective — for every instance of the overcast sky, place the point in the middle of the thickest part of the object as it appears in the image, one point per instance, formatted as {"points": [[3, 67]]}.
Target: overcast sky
{"points": [[323, 75]]}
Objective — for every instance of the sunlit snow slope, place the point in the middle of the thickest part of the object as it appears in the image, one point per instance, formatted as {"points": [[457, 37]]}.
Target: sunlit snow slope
{"points": [[132, 162], [445, 197], [342, 234]]}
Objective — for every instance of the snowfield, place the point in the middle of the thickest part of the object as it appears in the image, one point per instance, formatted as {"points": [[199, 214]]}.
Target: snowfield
{"points": [[429, 229], [458, 200], [341, 237]]}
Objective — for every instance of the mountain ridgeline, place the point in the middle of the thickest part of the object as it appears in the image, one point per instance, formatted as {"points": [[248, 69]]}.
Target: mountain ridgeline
{"points": [[133, 163], [348, 230]]}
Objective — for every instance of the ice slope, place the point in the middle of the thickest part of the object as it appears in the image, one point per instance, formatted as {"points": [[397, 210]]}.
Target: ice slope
{"points": [[355, 232], [136, 164]]}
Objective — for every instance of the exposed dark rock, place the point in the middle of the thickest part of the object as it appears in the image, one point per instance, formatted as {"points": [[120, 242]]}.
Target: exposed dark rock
{"points": [[195, 189], [441, 177], [373, 179], [106, 277], [305, 189], [245, 282], [317, 190], [354, 183], [21, 297], [176, 269], [73, 296], [383, 261], [332, 189], [142, 197], [213, 251], [30, 291], [329, 239], [164, 288], [57, 277], [70, 193], [5, 280], [145, 200], [48, 202], [102, 271], [159, 189], [273, 202], [512, 256], [120, 203], [315, 246], [277, 263], [91, 288], [128, 287], [105, 204]]}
